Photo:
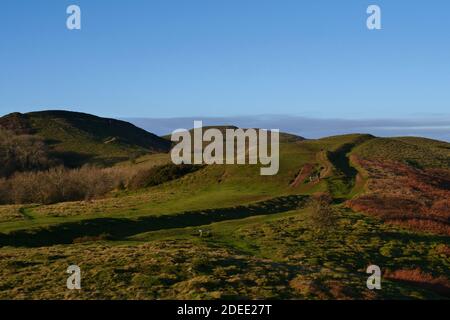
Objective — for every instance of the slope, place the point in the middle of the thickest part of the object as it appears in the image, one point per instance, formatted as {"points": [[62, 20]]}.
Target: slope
{"points": [[78, 138]]}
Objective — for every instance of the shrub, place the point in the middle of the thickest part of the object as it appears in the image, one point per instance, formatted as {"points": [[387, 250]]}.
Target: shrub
{"points": [[22, 153], [324, 214], [161, 174], [4, 191], [61, 184]]}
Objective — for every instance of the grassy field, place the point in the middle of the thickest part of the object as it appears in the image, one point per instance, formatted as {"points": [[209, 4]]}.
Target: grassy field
{"points": [[259, 237], [274, 256]]}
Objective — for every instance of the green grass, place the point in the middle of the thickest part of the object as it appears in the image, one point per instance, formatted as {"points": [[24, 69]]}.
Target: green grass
{"points": [[418, 152], [212, 187], [280, 256], [78, 138], [259, 243], [118, 228]]}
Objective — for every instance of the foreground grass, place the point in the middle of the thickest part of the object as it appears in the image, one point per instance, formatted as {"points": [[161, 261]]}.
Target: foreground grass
{"points": [[281, 256], [118, 228]]}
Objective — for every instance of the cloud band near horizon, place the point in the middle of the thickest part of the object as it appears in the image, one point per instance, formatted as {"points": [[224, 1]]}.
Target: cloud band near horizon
{"points": [[430, 127]]}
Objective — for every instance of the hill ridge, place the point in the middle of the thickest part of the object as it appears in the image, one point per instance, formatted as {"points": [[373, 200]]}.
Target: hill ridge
{"points": [[87, 137]]}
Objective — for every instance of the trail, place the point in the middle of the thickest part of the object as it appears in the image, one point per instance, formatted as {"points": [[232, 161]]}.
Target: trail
{"points": [[303, 174], [343, 180]]}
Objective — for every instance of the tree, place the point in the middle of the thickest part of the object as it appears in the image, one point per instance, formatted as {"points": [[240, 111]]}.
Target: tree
{"points": [[20, 153], [324, 214]]}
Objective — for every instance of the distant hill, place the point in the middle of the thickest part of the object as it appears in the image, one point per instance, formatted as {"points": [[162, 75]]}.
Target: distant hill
{"points": [[284, 137], [414, 151], [78, 138]]}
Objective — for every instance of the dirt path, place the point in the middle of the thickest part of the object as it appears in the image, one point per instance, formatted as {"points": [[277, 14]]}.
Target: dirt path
{"points": [[304, 173]]}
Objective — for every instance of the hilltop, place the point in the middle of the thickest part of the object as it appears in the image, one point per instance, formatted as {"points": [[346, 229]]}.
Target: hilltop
{"points": [[259, 237], [284, 137], [78, 138]]}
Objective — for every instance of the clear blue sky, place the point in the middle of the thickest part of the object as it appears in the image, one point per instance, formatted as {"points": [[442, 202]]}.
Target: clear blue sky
{"points": [[175, 58]]}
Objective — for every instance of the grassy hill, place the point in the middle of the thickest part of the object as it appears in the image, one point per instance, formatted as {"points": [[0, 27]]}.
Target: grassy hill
{"points": [[261, 237], [417, 152], [79, 138], [284, 137]]}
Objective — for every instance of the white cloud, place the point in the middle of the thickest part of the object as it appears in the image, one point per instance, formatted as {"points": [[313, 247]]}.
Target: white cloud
{"points": [[431, 127]]}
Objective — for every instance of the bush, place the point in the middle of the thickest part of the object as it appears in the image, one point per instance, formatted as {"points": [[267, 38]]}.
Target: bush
{"points": [[4, 191], [61, 184], [161, 174], [22, 153], [324, 214]]}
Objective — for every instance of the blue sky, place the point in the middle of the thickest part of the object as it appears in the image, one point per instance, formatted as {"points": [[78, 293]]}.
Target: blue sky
{"points": [[222, 58]]}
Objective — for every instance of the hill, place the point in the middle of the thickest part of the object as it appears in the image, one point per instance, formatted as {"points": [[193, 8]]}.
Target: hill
{"points": [[78, 138], [225, 231], [284, 137], [414, 151], [407, 182]]}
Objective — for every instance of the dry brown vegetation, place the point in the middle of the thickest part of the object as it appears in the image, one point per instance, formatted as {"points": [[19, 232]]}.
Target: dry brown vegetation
{"points": [[61, 184], [304, 173], [419, 278], [22, 153], [401, 194]]}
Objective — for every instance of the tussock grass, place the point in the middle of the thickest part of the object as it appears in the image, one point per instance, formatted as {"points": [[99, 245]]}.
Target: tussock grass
{"points": [[282, 256]]}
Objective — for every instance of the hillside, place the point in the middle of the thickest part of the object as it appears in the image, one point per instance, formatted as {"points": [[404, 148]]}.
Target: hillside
{"points": [[284, 137], [413, 151], [78, 138], [260, 236], [407, 182]]}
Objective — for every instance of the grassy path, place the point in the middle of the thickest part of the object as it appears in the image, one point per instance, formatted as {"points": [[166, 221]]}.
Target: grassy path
{"points": [[342, 182], [120, 228]]}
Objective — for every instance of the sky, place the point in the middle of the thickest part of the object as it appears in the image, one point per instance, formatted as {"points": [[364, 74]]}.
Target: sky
{"points": [[311, 128], [227, 58]]}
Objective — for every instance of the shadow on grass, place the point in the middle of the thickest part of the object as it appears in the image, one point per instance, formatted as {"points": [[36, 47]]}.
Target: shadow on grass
{"points": [[414, 237], [119, 228], [345, 179]]}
